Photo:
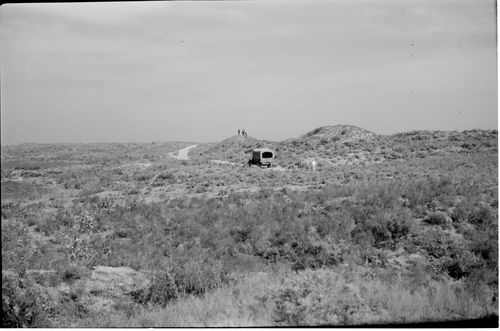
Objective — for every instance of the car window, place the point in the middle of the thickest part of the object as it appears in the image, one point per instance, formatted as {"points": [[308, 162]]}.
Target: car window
{"points": [[267, 154]]}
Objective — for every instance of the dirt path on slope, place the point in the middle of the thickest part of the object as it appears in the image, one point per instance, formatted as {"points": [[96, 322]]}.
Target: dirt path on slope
{"points": [[182, 154]]}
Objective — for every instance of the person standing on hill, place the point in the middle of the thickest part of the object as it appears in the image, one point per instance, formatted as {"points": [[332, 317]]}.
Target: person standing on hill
{"points": [[238, 132], [313, 165]]}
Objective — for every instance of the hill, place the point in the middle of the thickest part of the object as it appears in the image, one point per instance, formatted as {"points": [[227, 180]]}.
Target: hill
{"points": [[337, 133], [348, 145], [233, 149], [329, 145]]}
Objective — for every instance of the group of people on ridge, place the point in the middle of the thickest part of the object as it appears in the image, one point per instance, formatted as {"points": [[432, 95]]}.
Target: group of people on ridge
{"points": [[242, 132]]}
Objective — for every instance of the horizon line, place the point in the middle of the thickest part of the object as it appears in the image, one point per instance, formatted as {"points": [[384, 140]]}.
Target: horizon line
{"points": [[214, 142]]}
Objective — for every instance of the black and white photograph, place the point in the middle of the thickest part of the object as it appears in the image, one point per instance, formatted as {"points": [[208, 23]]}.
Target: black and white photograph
{"points": [[249, 163]]}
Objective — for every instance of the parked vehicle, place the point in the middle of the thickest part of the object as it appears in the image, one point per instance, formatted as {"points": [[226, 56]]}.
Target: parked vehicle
{"points": [[262, 157]]}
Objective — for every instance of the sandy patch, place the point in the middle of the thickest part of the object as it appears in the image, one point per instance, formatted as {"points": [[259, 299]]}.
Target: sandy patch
{"points": [[182, 154]]}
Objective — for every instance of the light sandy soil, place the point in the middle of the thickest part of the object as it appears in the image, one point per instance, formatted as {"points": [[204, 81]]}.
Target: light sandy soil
{"points": [[182, 154]]}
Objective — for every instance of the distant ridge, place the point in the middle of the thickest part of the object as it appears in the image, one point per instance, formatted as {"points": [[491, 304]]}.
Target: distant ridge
{"points": [[335, 145], [339, 133]]}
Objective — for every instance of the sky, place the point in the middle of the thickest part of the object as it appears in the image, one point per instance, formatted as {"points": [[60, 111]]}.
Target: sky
{"points": [[200, 70]]}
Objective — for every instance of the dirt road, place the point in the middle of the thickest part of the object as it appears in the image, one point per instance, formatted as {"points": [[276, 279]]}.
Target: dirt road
{"points": [[182, 154]]}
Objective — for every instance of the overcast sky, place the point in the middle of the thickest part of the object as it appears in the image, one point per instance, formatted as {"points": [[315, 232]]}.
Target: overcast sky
{"points": [[198, 71]]}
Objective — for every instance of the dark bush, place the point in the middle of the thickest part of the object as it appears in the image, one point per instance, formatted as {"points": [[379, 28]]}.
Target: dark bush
{"points": [[460, 263], [71, 273], [169, 177], [361, 235], [123, 233], [483, 215], [485, 244], [460, 214], [315, 255], [390, 226], [197, 272], [22, 304], [438, 218], [161, 291], [449, 256], [399, 226], [143, 177]]}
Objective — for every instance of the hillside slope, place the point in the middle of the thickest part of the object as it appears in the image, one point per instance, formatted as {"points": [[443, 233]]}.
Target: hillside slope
{"points": [[349, 145], [337, 133], [329, 145], [233, 149]]}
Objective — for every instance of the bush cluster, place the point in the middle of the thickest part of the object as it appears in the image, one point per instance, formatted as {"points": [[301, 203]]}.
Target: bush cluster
{"points": [[23, 303], [438, 218], [161, 290], [317, 298], [193, 243], [450, 256]]}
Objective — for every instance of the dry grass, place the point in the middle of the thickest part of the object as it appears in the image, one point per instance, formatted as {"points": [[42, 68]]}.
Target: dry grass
{"points": [[237, 305], [341, 296], [443, 300]]}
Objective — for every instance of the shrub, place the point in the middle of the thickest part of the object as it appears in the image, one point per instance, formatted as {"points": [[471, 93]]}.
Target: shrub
{"points": [[314, 252], [485, 244], [197, 272], [438, 218], [460, 214], [23, 304], [460, 263], [362, 236], [390, 226], [379, 194], [44, 278], [161, 290], [80, 248], [71, 273], [169, 177], [483, 215], [338, 224], [17, 250], [143, 177], [314, 298], [399, 226], [449, 256], [122, 233]]}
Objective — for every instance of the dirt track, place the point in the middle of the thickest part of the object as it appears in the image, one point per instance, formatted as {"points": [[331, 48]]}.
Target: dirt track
{"points": [[182, 154]]}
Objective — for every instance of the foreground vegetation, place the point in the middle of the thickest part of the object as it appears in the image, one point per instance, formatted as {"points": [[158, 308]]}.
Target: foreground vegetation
{"points": [[410, 239]]}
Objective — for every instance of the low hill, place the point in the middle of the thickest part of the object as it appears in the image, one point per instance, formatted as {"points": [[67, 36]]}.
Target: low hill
{"points": [[233, 149], [329, 145], [349, 145], [337, 134]]}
